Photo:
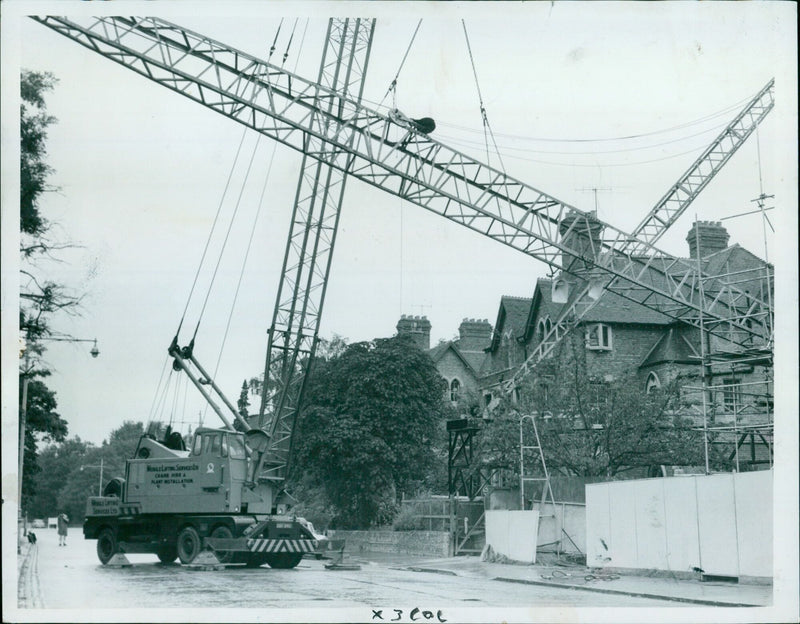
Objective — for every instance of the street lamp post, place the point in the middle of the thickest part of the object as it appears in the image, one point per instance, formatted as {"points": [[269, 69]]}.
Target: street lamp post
{"points": [[100, 466], [23, 407]]}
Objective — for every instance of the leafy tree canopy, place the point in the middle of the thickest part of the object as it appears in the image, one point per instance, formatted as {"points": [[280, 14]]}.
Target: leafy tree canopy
{"points": [[590, 426], [372, 427], [70, 471]]}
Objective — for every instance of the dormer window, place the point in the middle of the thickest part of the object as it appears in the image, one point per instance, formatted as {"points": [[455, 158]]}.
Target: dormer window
{"points": [[599, 337]]}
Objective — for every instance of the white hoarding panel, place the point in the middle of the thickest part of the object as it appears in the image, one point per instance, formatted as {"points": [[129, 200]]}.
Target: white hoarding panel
{"points": [[753, 491], [717, 519], [651, 536], [513, 534], [683, 540], [598, 525], [622, 507]]}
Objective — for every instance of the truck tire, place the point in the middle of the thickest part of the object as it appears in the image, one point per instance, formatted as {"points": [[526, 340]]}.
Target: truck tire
{"points": [[167, 553], [283, 561], [223, 532], [107, 545], [189, 544], [256, 560]]}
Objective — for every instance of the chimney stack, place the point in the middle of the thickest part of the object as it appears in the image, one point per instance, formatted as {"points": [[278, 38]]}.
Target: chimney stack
{"points": [[706, 238], [418, 327], [581, 233], [474, 334]]}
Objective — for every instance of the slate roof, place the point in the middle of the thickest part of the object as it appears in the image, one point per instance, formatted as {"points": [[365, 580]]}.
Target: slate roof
{"points": [[512, 315], [673, 346], [472, 359]]}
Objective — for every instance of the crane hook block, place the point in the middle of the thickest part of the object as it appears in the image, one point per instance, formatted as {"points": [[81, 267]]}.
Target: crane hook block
{"points": [[425, 125]]}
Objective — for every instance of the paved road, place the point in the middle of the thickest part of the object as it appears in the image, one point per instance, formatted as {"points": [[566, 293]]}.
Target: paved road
{"points": [[72, 577]]}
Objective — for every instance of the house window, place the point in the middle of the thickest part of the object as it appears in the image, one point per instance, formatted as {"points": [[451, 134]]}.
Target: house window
{"points": [[731, 394], [652, 383], [599, 337], [455, 387], [544, 327]]}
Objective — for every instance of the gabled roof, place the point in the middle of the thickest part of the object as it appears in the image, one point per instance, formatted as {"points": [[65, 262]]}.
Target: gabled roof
{"points": [[471, 359], [512, 316], [611, 308], [672, 347]]}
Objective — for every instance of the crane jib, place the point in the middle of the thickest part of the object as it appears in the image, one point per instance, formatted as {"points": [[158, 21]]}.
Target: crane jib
{"points": [[423, 171]]}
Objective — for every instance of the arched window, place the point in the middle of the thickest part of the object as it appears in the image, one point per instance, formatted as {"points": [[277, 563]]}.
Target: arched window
{"points": [[455, 387], [652, 383], [544, 327]]}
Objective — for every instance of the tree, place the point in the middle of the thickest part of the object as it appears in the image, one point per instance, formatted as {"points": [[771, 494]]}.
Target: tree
{"points": [[39, 296], [593, 427], [42, 422], [56, 462], [371, 427], [70, 471], [244, 401]]}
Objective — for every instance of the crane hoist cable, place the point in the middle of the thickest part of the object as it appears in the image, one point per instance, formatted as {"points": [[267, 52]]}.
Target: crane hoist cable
{"points": [[507, 148], [486, 126], [720, 113], [259, 206], [393, 85], [224, 194]]}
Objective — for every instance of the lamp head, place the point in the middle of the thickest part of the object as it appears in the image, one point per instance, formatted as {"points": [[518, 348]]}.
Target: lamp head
{"points": [[95, 351]]}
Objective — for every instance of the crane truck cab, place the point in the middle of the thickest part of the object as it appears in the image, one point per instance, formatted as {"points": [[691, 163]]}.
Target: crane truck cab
{"points": [[175, 501]]}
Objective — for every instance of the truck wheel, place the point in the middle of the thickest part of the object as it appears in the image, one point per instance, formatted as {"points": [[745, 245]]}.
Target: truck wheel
{"points": [[188, 544], [223, 532], [256, 560], [283, 560], [107, 545], [167, 553]]}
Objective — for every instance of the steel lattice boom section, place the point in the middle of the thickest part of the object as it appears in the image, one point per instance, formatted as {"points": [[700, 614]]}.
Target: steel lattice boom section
{"points": [[409, 164], [294, 330], [689, 185]]}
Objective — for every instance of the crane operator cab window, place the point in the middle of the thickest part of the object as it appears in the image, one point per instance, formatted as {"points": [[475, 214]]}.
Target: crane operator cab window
{"points": [[219, 444]]}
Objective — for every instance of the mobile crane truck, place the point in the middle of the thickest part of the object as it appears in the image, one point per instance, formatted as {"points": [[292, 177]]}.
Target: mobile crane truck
{"points": [[176, 501]]}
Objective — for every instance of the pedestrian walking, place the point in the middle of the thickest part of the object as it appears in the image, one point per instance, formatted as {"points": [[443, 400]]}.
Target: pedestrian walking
{"points": [[63, 523]]}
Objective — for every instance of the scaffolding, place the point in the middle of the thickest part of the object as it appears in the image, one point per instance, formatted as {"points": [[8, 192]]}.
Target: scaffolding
{"points": [[734, 404]]}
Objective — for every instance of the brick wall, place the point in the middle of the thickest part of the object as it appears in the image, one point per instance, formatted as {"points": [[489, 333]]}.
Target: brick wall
{"points": [[631, 344], [451, 367], [423, 543]]}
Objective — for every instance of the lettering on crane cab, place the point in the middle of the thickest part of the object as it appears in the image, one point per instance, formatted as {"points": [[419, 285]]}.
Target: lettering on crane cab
{"points": [[173, 474], [103, 506]]}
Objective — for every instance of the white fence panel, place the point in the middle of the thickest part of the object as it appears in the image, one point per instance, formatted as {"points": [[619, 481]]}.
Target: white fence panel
{"points": [[622, 506], [598, 525], [719, 523], [651, 538], [717, 513], [683, 550], [754, 518], [513, 533]]}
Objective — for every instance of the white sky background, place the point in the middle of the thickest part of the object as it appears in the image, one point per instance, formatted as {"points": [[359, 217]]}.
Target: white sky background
{"points": [[142, 170]]}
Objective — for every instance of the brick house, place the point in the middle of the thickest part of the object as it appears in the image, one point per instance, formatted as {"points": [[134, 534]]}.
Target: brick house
{"points": [[619, 337]]}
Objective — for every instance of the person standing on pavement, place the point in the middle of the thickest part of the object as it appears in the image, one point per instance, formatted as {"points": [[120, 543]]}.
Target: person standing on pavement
{"points": [[63, 522]]}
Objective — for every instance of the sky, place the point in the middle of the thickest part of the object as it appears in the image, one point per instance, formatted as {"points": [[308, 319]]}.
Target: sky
{"points": [[620, 98]]}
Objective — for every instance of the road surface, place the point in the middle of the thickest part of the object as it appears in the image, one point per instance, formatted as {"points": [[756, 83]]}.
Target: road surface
{"points": [[71, 577]]}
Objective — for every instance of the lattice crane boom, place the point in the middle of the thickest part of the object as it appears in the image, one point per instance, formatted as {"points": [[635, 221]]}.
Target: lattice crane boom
{"points": [[681, 194], [394, 155], [293, 333]]}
